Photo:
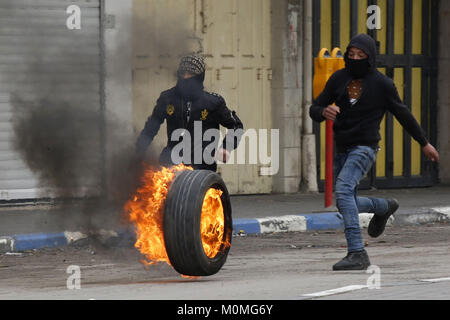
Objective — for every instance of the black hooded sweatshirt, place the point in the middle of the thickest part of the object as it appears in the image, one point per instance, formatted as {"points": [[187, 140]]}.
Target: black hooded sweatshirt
{"points": [[359, 124]]}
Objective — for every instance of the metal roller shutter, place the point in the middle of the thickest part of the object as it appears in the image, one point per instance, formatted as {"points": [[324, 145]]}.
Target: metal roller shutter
{"points": [[40, 58]]}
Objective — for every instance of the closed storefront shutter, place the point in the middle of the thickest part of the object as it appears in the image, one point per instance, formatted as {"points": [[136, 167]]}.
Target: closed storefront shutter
{"points": [[49, 65]]}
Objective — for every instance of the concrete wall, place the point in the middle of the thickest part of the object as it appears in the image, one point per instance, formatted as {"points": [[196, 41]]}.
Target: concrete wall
{"points": [[118, 80], [443, 91], [118, 57], [287, 91]]}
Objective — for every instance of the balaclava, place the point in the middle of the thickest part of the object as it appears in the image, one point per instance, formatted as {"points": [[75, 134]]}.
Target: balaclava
{"points": [[192, 88], [358, 69]]}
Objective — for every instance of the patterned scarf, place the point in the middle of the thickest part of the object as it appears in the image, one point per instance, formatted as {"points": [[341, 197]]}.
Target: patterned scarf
{"points": [[193, 64]]}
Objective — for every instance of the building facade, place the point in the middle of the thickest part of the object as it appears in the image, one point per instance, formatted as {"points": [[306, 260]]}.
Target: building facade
{"points": [[259, 56]]}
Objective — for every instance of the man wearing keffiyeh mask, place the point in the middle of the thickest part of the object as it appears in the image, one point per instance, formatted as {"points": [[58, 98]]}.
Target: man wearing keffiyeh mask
{"points": [[191, 74], [185, 104]]}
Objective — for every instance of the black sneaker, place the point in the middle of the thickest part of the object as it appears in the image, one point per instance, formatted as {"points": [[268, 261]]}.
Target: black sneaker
{"points": [[353, 261], [378, 223]]}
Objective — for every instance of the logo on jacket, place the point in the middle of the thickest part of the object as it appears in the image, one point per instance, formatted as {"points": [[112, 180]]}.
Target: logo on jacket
{"points": [[170, 109], [204, 114]]}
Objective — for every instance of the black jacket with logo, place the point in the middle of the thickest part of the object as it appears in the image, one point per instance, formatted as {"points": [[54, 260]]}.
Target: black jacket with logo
{"points": [[359, 124], [210, 109]]}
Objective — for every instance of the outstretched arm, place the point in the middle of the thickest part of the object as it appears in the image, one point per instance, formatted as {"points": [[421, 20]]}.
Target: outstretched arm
{"points": [[407, 120]]}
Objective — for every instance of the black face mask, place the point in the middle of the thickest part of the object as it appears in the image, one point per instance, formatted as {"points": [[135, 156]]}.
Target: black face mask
{"points": [[190, 89], [357, 68]]}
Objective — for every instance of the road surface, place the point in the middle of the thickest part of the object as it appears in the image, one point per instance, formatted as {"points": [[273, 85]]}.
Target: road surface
{"points": [[291, 266]]}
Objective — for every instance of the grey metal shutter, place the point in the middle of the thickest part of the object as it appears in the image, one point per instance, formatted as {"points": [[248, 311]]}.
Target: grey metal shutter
{"points": [[40, 57]]}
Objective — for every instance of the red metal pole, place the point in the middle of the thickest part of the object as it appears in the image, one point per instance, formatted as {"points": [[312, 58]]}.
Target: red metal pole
{"points": [[329, 165]]}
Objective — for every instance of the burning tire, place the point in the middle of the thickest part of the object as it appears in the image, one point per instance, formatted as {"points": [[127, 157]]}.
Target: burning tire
{"points": [[197, 223]]}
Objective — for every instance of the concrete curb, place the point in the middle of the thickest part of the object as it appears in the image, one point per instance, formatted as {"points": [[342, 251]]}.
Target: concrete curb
{"points": [[289, 223], [23, 242], [298, 223], [333, 221]]}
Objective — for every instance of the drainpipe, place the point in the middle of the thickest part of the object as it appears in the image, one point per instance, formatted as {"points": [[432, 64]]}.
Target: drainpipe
{"points": [[309, 169]]}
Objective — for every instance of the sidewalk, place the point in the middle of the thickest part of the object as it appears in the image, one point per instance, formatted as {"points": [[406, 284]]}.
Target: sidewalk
{"points": [[411, 200], [417, 206], [35, 226]]}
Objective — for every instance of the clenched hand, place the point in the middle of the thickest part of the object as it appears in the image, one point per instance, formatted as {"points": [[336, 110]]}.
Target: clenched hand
{"points": [[222, 155], [431, 153], [331, 112]]}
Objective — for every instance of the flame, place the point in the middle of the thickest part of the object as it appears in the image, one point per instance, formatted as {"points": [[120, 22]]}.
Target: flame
{"points": [[146, 209], [190, 277], [212, 223]]}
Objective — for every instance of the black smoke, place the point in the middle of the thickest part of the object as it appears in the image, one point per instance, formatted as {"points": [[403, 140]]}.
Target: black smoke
{"points": [[61, 127]]}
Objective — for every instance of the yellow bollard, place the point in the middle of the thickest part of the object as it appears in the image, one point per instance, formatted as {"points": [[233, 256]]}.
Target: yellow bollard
{"points": [[338, 59], [324, 66], [323, 69]]}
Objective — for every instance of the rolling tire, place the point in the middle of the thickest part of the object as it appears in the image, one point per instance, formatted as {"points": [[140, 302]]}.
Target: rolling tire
{"points": [[182, 217]]}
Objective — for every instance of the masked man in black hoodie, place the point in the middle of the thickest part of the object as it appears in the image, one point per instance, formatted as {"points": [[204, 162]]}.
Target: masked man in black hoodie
{"points": [[362, 96], [188, 107]]}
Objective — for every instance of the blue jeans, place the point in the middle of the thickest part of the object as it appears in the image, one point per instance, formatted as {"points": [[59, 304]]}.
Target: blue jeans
{"points": [[349, 168]]}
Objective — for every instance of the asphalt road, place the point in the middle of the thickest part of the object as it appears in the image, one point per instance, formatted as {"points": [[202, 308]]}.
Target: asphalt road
{"points": [[291, 266]]}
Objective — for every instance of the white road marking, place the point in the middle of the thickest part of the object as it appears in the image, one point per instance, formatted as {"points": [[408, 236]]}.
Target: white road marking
{"points": [[435, 280], [98, 266], [335, 291], [359, 287]]}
